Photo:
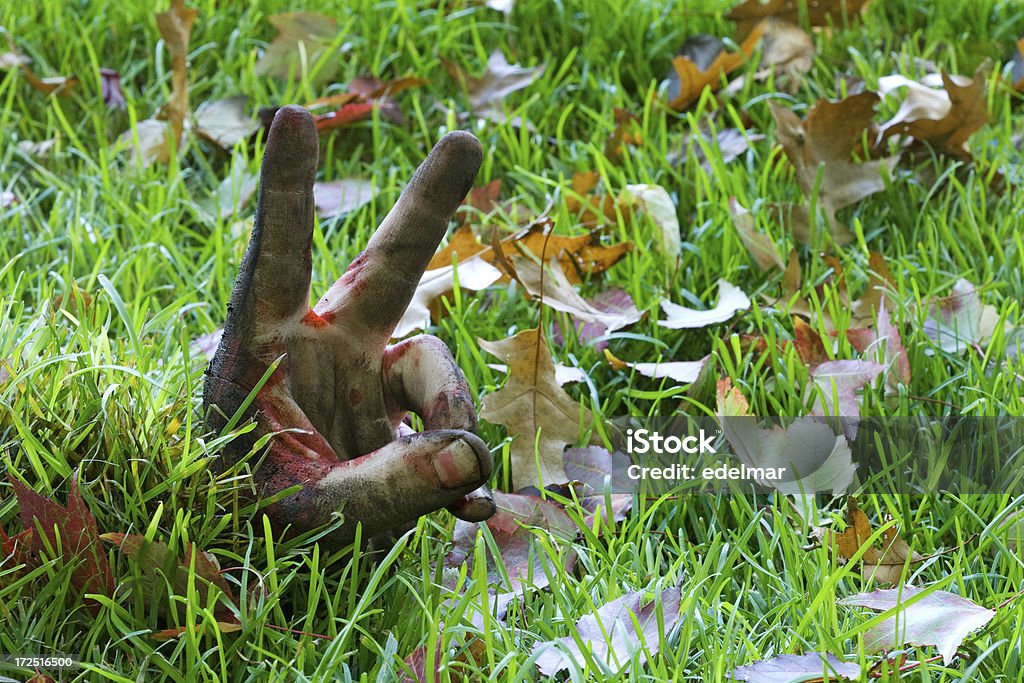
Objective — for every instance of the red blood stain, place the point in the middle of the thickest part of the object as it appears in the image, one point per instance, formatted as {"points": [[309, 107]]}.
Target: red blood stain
{"points": [[355, 397], [318, 321]]}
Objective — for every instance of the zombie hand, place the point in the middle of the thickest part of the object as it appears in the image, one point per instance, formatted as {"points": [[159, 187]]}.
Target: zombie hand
{"points": [[336, 402]]}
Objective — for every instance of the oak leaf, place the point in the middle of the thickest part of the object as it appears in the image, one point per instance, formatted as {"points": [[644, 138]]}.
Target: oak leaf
{"points": [[535, 410], [824, 143]]}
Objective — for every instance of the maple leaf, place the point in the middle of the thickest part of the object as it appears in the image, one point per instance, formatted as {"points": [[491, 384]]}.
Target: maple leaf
{"points": [[759, 245], [690, 77], [959, 321], [304, 41], [943, 118], [939, 618], [68, 533], [811, 666], [884, 565], [224, 122], [339, 197], [472, 274], [823, 143], [730, 300], [535, 410], [487, 93], [618, 633]]}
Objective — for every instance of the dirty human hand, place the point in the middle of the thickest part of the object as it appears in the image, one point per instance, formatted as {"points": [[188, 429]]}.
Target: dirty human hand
{"points": [[336, 402]]}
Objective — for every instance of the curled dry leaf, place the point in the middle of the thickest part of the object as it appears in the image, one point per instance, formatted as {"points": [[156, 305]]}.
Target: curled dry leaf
{"points": [[824, 143], [759, 245], [883, 561], [944, 118], [655, 200], [473, 274], [535, 410], [620, 632], [812, 666], [175, 27], [816, 12], [684, 372], [701, 63], [225, 122], [940, 618], [730, 300]]}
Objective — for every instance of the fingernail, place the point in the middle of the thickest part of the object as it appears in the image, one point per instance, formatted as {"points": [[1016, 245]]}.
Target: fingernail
{"points": [[457, 465]]}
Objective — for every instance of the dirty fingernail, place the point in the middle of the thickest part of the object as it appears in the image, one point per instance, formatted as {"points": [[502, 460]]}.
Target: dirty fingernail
{"points": [[457, 464]]}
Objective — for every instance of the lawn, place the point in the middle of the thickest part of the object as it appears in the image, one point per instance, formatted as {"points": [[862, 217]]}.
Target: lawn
{"points": [[111, 268]]}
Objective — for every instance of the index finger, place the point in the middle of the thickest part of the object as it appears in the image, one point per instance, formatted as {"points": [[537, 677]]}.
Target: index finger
{"points": [[273, 279], [379, 284]]}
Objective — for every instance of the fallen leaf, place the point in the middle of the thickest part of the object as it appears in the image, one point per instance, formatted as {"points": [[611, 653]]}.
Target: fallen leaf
{"points": [[684, 372], [815, 459], [206, 345], [553, 288], [172, 633], [759, 245], [234, 192], [886, 344], [614, 303], [825, 141], [512, 527], [339, 197], [534, 409], [943, 118], [884, 565], [69, 533], [787, 52], [837, 383], [225, 122], [564, 374], [40, 150], [812, 666], [365, 95], [148, 141], [110, 89], [416, 663], [817, 12], [960, 320], [488, 92], [693, 71], [940, 618], [618, 633], [175, 26], [626, 134], [730, 300], [1017, 72], [473, 274], [302, 48], [656, 202]]}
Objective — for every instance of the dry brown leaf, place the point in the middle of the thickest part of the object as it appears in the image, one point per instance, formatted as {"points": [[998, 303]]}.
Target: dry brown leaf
{"points": [[175, 27], [225, 122], [826, 141], [692, 79], [942, 118], [338, 197], [579, 256], [534, 409], [759, 245], [885, 565], [818, 12], [786, 51]]}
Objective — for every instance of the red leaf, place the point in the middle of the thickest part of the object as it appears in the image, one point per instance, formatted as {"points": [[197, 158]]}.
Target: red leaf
{"points": [[78, 536], [345, 115]]}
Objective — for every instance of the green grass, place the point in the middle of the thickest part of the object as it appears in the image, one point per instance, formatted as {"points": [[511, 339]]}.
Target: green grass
{"points": [[109, 390]]}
